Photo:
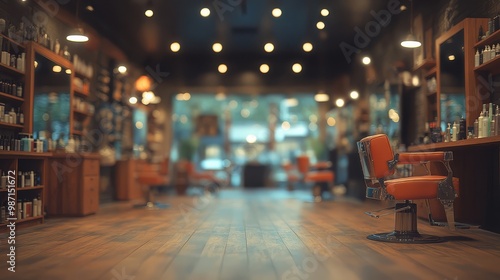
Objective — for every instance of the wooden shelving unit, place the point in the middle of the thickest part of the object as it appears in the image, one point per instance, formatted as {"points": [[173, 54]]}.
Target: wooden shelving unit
{"points": [[492, 66], [18, 162]]}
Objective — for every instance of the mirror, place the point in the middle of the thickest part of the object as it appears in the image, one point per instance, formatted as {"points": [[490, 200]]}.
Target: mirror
{"points": [[51, 116], [452, 80]]}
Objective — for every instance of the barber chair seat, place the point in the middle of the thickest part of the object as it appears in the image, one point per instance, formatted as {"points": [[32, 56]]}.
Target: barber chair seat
{"points": [[379, 164], [319, 174]]}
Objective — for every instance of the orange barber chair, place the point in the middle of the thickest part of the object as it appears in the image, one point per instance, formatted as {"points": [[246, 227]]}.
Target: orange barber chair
{"points": [[318, 174], [378, 163], [206, 180]]}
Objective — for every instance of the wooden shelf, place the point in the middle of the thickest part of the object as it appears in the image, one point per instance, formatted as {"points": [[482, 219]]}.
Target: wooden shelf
{"points": [[493, 38], [30, 188], [492, 66], [432, 94], [11, 97], [10, 69], [20, 154], [431, 72], [77, 132], [12, 41], [80, 92], [80, 74], [3, 190], [81, 113], [10, 125], [30, 219], [426, 64]]}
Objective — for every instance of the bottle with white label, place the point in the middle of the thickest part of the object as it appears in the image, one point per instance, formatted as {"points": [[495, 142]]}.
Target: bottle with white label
{"points": [[454, 131], [480, 126]]}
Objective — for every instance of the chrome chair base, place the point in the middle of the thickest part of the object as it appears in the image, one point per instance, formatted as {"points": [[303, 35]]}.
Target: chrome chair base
{"points": [[405, 224], [407, 238], [152, 206]]}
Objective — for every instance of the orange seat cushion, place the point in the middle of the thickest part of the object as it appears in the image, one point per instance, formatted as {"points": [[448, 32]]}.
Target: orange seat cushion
{"points": [[152, 180], [203, 176], [319, 176], [292, 177], [417, 187]]}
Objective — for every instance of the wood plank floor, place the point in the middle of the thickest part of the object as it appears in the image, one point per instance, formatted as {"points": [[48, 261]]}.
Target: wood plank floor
{"points": [[257, 234]]}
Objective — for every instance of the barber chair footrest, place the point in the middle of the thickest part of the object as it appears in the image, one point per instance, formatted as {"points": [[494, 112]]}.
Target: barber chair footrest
{"points": [[412, 238], [457, 225]]}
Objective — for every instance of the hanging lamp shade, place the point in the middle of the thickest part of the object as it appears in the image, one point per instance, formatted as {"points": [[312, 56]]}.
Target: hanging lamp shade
{"points": [[410, 42], [77, 35]]}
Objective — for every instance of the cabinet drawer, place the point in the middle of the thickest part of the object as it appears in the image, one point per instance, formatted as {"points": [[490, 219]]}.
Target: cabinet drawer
{"points": [[90, 167], [90, 195]]}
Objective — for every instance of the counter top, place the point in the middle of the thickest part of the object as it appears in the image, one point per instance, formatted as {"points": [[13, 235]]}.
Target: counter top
{"points": [[49, 154], [456, 144]]}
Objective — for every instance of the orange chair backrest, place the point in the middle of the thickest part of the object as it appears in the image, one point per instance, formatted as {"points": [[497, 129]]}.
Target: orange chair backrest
{"points": [[375, 152], [303, 164]]}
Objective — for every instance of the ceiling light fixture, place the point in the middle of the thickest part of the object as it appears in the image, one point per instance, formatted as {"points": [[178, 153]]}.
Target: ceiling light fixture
{"points": [[205, 12], [297, 68], [325, 12], [132, 100], [276, 12], [149, 9], [222, 68], [77, 35], [321, 97], [307, 47], [217, 47], [264, 68], [175, 47], [340, 102], [366, 60], [320, 25], [90, 8], [269, 47], [122, 69], [410, 41], [354, 94]]}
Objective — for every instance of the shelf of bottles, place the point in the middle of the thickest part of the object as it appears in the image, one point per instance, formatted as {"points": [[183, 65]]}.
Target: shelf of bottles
{"points": [[487, 49], [21, 188]]}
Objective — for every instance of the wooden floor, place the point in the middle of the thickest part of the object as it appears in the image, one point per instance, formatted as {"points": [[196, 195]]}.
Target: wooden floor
{"points": [[262, 234]]}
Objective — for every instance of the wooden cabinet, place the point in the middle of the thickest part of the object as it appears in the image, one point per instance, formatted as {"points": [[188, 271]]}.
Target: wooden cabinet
{"points": [[125, 181], [73, 188]]}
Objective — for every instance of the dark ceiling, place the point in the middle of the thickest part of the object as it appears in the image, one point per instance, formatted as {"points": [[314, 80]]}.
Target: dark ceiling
{"points": [[242, 26]]}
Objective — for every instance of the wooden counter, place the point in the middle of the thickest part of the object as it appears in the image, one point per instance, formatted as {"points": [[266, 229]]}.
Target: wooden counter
{"points": [[476, 164]]}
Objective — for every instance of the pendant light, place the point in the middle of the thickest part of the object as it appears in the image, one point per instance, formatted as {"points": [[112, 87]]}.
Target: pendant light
{"points": [[410, 41], [77, 35]]}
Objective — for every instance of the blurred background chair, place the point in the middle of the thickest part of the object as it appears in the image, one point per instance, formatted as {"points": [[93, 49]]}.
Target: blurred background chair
{"points": [[318, 174], [150, 176], [205, 180], [379, 163]]}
